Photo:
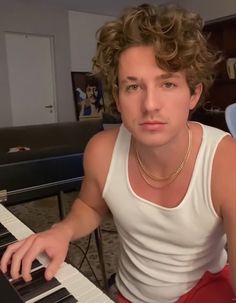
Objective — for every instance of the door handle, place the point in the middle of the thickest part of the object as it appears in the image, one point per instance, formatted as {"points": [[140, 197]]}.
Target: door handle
{"points": [[48, 106]]}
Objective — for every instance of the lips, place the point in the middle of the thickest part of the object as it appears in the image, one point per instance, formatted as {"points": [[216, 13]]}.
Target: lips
{"points": [[152, 125], [153, 122]]}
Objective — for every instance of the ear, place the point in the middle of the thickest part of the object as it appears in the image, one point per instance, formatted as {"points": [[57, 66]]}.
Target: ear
{"points": [[115, 94], [195, 97]]}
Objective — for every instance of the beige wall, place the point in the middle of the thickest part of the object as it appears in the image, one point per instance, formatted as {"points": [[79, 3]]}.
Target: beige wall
{"points": [[24, 16], [83, 29]]}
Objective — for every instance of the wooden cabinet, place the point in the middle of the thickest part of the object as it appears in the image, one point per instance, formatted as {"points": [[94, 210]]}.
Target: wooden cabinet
{"points": [[222, 35]]}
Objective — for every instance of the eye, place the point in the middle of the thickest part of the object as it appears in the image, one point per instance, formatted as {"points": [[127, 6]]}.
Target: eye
{"points": [[168, 85], [132, 87]]}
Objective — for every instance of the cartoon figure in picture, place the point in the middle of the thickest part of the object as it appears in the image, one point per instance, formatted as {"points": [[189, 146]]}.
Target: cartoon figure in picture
{"points": [[90, 102]]}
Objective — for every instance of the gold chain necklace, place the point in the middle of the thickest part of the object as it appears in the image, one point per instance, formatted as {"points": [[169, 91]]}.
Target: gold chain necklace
{"points": [[145, 174], [151, 184]]}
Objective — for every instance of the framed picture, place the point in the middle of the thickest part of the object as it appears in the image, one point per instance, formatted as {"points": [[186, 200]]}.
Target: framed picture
{"points": [[88, 95]]}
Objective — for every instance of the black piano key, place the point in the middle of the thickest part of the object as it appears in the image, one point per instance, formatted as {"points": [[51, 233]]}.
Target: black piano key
{"points": [[2, 250], [35, 264], [36, 286], [3, 229], [6, 239], [5, 236], [69, 299], [36, 275], [8, 293], [58, 296]]}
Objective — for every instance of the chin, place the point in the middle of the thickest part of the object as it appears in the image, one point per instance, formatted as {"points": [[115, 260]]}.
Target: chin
{"points": [[151, 139]]}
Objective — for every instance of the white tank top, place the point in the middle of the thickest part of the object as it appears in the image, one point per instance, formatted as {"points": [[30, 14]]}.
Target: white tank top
{"points": [[165, 251]]}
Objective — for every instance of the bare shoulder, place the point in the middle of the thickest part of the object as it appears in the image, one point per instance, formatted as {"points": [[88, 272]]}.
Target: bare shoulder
{"points": [[101, 143], [224, 194], [98, 153], [225, 155], [224, 174]]}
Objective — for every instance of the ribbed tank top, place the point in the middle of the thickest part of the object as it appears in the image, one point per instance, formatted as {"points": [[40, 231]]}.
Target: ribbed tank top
{"points": [[165, 251]]}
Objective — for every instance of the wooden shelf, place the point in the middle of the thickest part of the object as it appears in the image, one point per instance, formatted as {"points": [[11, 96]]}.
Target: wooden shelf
{"points": [[225, 82], [222, 33]]}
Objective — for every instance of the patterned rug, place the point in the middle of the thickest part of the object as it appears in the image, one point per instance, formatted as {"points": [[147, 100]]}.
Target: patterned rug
{"points": [[41, 214]]}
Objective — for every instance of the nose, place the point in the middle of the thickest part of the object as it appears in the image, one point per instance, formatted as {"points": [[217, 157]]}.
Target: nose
{"points": [[151, 100]]}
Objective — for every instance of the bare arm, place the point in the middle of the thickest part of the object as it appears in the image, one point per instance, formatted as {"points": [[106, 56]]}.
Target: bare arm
{"points": [[89, 209], [86, 214], [225, 196]]}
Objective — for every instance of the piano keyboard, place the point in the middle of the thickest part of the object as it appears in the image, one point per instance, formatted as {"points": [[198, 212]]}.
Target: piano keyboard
{"points": [[68, 283]]}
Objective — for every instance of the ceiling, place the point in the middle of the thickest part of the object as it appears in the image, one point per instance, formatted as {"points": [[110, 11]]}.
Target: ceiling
{"points": [[100, 7]]}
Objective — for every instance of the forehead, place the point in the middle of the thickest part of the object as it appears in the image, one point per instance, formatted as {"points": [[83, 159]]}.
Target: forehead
{"points": [[91, 87], [140, 62], [135, 53]]}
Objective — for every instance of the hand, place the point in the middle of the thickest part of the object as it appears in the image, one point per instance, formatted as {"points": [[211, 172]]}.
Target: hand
{"points": [[21, 254]]}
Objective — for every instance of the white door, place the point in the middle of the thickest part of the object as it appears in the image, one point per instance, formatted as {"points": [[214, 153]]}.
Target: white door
{"points": [[31, 79]]}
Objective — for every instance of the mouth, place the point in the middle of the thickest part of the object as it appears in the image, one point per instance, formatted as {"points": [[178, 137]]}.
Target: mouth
{"points": [[152, 122], [152, 125]]}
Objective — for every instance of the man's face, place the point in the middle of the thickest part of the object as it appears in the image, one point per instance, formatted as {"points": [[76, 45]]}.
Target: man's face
{"points": [[154, 104], [91, 93]]}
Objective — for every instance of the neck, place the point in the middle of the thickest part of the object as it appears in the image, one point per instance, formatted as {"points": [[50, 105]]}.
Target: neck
{"points": [[164, 162]]}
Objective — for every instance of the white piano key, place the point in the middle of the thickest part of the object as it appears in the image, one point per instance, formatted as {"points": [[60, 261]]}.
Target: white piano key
{"points": [[69, 277]]}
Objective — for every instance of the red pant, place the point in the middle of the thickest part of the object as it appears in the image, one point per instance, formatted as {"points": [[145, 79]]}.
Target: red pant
{"points": [[212, 288]]}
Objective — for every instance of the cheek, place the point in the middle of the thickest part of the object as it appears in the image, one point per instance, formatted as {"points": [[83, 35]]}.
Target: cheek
{"points": [[128, 112], [121, 105], [187, 102], [128, 109]]}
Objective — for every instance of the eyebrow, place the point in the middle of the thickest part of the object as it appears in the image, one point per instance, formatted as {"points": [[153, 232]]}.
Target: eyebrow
{"points": [[168, 75], [128, 78], [162, 76]]}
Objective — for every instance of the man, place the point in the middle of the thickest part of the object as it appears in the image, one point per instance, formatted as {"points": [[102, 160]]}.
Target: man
{"points": [[92, 105], [169, 183]]}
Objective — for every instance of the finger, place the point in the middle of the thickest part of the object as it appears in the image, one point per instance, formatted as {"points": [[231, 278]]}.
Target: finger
{"points": [[18, 256], [37, 247], [53, 267], [6, 258]]}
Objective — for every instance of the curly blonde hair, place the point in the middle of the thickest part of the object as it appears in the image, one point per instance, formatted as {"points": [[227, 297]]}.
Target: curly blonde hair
{"points": [[176, 35]]}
